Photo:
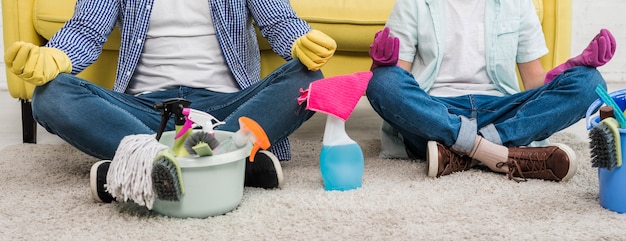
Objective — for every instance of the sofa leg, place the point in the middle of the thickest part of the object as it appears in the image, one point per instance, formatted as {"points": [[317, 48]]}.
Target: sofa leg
{"points": [[29, 126]]}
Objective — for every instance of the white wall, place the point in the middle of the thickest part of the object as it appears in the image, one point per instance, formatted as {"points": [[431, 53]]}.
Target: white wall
{"points": [[591, 16], [588, 18], [3, 82]]}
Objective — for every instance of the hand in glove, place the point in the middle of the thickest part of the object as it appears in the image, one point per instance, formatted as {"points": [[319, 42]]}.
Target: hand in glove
{"points": [[34, 64], [314, 49], [599, 51], [384, 50]]}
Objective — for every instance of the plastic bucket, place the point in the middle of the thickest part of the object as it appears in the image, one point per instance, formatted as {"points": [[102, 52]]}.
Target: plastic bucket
{"points": [[213, 184], [612, 184]]}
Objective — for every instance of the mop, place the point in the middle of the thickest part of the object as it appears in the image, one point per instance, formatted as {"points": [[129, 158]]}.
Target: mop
{"points": [[341, 158], [143, 169], [128, 177]]}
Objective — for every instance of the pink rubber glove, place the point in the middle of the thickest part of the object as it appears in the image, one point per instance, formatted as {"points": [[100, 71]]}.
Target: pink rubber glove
{"points": [[384, 50], [599, 52]]}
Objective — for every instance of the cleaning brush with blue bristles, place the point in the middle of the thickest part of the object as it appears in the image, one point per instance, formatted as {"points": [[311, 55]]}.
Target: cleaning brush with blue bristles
{"points": [[605, 144]]}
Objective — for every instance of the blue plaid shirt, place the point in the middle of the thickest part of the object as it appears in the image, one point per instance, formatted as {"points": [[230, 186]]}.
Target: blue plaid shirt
{"points": [[84, 35]]}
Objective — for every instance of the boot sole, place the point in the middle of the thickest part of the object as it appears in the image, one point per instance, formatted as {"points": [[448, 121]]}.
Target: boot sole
{"points": [[433, 164], [93, 173]]}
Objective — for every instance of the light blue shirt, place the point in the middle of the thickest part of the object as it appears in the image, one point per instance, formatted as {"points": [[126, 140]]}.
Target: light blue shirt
{"points": [[83, 36], [513, 34]]}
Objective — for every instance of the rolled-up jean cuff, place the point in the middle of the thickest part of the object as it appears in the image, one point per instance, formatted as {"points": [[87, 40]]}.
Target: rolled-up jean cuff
{"points": [[467, 135], [490, 133]]}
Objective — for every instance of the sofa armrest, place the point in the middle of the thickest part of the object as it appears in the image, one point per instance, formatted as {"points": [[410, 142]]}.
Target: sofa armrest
{"points": [[20, 14]]}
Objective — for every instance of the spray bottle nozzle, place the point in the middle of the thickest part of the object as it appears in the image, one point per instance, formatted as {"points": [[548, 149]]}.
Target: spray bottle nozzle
{"points": [[205, 120], [255, 133], [249, 131]]}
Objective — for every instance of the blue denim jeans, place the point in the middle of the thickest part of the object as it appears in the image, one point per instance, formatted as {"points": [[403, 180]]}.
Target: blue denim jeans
{"points": [[95, 119], [510, 120]]}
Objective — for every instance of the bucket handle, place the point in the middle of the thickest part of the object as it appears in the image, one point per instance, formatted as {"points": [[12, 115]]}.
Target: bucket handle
{"points": [[596, 105]]}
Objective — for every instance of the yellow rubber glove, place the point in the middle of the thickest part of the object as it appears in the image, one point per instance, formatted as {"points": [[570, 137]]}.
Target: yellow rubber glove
{"points": [[314, 49], [34, 64]]}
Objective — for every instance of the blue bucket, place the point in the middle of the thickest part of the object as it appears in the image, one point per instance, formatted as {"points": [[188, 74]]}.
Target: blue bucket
{"points": [[612, 184]]}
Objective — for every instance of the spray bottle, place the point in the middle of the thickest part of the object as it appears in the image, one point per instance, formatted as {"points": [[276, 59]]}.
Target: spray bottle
{"points": [[341, 158], [168, 107], [249, 131], [203, 119]]}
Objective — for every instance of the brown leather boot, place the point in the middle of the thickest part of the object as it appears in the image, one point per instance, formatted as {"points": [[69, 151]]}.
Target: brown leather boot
{"points": [[556, 162], [442, 161]]}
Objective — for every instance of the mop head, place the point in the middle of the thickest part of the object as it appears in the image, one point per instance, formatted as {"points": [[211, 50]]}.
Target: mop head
{"points": [[128, 177], [605, 144], [201, 143], [337, 95]]}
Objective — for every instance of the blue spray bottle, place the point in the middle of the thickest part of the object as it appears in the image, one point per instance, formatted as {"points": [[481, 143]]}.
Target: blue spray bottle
{"points": [[341, 158]]}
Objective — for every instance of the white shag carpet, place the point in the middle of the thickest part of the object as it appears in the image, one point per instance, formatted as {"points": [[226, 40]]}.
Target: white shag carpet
{"points": [[45, 196]]}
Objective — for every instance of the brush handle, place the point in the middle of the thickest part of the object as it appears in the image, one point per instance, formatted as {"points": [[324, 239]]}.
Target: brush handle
{"points": [[606, 112]]}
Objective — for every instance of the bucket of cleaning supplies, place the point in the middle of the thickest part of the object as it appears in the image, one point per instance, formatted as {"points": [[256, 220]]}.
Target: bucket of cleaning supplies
{"points": [[612, 183], [213, 184]]}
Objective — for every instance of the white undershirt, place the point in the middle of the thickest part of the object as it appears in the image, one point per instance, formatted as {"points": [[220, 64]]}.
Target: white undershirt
{"points": [[181, 49], [462, 68]]}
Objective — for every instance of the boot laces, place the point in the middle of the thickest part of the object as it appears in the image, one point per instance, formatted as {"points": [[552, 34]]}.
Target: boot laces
{"points": [[456, 162], [522, 161]]}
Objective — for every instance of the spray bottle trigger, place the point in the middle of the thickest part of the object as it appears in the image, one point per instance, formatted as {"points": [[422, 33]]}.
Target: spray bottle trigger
{"points": [[255, 148], [183, 130]]}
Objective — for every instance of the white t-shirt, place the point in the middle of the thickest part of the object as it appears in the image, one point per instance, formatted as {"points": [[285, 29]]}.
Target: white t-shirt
{"points": [[181, 49], [463, 64]]}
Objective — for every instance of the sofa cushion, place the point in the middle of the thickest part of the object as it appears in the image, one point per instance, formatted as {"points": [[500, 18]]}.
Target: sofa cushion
{"points": [[345, 19], [49, 17]]}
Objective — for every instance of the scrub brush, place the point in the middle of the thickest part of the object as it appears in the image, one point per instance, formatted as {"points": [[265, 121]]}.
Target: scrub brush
{"points": [[167, 178], [201, 143], [605, 144]]}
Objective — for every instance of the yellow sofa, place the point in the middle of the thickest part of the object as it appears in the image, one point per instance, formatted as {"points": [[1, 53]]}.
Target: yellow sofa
{"points": [[352, 23]]}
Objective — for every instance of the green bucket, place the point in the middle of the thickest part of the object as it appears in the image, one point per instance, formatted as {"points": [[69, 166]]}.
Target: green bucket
{"points": [[213, 184]]}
